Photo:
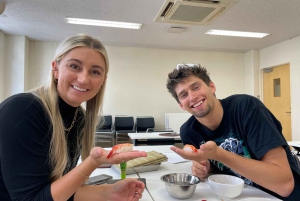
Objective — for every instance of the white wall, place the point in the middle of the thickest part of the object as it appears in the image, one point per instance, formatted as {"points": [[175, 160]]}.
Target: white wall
{"points": [[14, 64], [175, 120], [26, 66], [136, 82], [281, 53], [252, 73], [40, 58], [2, 73], [137, 77]]}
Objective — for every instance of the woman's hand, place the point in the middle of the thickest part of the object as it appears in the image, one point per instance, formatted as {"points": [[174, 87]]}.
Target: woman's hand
{"points": [[124, 190], [127, 189], [98, 156]]}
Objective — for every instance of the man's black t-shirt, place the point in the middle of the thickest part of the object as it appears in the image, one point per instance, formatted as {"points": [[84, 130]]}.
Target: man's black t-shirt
{"points": [[248, 129]]}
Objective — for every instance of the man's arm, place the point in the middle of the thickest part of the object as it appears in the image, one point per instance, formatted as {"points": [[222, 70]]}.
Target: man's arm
{"points": [[271, 172]]}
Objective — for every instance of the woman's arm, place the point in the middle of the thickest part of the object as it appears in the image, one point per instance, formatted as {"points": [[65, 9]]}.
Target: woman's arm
{"points": [[25, 137], [66, 186], [24, 148], [127, 189]]}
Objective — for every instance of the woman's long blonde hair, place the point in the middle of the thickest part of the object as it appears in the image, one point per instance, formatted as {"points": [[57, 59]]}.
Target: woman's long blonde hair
{"points": [[48, 94]]}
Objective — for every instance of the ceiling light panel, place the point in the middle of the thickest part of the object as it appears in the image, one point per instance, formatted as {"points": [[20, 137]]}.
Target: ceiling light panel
{"points": [[236, 33], [126, 25]]}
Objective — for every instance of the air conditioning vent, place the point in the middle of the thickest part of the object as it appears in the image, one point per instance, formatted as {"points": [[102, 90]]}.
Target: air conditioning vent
{"points": [[192, 11], [167, 9]]}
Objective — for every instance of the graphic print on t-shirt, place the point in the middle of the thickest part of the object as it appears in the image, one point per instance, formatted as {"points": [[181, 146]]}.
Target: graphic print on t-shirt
{"points": [[234, 145]]}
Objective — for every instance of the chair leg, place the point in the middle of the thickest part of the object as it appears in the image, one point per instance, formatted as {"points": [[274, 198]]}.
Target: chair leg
{"points": [[122, 138], [112, 141], [104, 139]]}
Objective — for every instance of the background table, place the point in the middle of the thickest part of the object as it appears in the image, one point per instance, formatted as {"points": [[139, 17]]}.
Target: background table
{"points": [[153, 139], [295, 145]]}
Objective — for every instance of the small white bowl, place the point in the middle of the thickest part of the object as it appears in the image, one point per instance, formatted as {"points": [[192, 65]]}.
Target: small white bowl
{"points": [[226, 186]]}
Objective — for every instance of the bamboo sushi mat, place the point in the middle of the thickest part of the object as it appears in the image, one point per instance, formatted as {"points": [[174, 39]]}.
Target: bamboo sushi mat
{"points": [[152, 158]]}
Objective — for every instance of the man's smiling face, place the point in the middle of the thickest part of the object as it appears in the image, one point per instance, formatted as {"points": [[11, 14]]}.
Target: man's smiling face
{"points": [[195, 96]]}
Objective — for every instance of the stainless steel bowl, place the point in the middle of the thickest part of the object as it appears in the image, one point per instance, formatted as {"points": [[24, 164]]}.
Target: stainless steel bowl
{"points": [[180, 185]]}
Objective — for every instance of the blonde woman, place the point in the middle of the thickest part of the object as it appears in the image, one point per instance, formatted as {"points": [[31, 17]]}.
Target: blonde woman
{"points": [[44, 132]]}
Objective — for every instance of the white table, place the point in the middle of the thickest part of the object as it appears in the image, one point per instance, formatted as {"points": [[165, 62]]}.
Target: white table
{"points": [[156, 189], [153, 138], [296, 145], [203, 192]]}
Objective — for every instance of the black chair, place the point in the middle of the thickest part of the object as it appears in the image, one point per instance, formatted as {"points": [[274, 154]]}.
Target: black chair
{"points": [[106, 125], [143, 123], [123, 126], [105, 133]]}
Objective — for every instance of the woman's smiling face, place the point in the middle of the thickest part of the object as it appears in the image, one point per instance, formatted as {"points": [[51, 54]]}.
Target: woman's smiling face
{"points": [[80, 74]]}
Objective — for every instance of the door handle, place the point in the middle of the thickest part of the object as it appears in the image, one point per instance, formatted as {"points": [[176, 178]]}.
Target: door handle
{"points": [[288, 112]]}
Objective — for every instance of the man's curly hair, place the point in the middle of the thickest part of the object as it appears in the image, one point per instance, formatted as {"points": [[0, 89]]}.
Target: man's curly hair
{"points": [[183, 71]]}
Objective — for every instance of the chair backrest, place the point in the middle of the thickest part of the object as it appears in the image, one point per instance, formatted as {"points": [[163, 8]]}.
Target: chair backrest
{"points": [[124, 123], [107, 124], [144, 123]]}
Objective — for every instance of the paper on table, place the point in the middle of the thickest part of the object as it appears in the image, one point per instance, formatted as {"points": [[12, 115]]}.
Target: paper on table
{"points": [[174, 158]]}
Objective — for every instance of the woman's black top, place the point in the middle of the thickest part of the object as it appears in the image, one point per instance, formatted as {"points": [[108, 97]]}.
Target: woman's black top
{"points": [[25, 135]]}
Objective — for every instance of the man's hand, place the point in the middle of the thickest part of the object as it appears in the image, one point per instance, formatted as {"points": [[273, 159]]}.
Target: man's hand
{"points": [[201, 169], [209, 150]]}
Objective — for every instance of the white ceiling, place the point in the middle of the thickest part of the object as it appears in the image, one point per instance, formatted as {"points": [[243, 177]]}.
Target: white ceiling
{"points": [[44, 20]]}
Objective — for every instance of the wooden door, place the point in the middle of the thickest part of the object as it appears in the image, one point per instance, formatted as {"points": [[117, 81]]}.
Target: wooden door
{"points": [[276, 96]]}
